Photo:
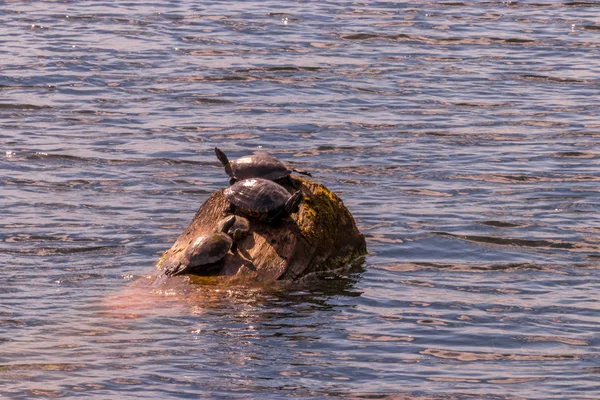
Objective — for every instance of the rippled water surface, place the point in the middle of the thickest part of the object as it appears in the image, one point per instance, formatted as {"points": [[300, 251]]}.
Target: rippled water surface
{"points": [[463, 136]]}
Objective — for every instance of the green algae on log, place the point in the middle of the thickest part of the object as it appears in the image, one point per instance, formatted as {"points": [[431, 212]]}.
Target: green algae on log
{"points": [[321, 236]]}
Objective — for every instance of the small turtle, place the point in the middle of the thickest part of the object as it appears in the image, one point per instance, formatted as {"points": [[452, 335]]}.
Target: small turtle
{"points": [[262, 199], [256, 166], [239, 229], [202, 256]]}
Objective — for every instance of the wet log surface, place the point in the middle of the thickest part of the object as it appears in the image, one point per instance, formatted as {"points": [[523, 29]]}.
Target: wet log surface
{"points": [[321, 236]]}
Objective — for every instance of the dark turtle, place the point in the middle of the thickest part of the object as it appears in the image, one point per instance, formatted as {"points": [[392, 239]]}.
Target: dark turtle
{"points": [[262, 199], [202, 256], [256, 166]]}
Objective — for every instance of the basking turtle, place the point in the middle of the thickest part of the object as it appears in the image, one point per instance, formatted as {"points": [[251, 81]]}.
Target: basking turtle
{"points": [[262, 199], [256, 166], [202, 256]]}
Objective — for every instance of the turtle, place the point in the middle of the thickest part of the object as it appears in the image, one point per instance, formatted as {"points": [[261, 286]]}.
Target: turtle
{"points": [[203, 255], [262, 199], [256, 166], [239, 229]]}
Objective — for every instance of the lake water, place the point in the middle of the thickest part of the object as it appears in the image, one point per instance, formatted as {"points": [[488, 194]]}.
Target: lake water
{"points": [[463, 136]]}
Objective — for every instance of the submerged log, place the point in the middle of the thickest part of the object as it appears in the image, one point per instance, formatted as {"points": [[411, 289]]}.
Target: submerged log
{"points": [[321, 236]]}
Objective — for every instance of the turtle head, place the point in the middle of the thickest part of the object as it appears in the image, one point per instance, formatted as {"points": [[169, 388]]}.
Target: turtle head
{"points": [[226, 223], [291, 206], [239, 229], [179, 268], [237, 235]]}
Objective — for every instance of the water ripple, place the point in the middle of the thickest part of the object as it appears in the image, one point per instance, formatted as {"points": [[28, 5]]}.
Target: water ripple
{"points": [[463, 137]]}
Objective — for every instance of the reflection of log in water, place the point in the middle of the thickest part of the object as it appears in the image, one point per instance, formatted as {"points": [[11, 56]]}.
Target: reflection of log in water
{"points": [[321, 236]]}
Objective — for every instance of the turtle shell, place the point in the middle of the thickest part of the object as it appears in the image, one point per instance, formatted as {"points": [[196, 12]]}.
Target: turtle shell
{"points": [[207, 249], [257, 195], [259, 165]]}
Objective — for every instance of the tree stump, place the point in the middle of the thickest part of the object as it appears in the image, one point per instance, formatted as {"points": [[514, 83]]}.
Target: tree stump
{"points": [[321, 236]]}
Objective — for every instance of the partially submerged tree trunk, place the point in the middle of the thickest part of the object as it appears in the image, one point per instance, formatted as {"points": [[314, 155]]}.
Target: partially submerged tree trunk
{"points": [[321, 236]]}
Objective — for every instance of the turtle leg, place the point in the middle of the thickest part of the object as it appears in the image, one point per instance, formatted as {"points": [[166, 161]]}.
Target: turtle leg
{"points": [[225, 161], [301, 172], [181, 269]]}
